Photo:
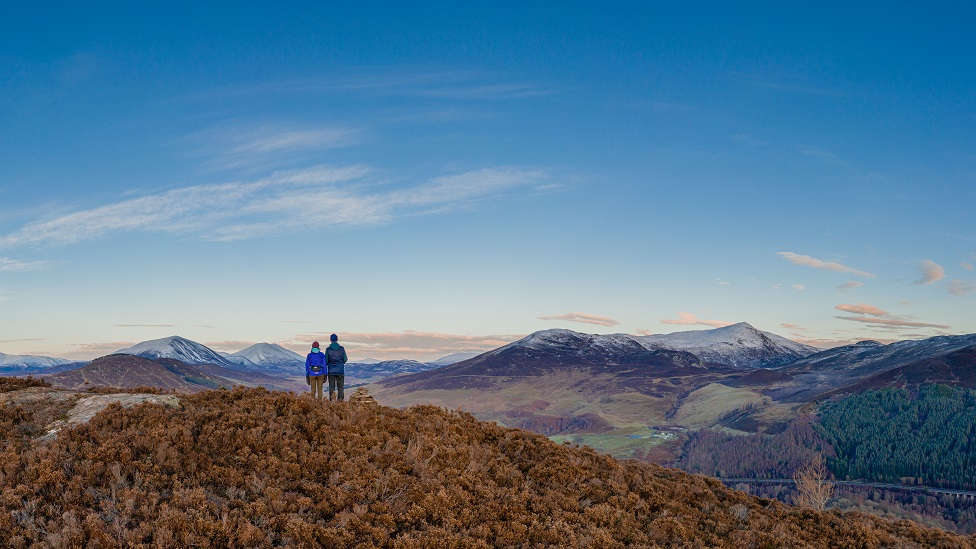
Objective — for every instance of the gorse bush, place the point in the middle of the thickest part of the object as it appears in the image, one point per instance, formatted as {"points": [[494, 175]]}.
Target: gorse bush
{"points": [[253, 468]]}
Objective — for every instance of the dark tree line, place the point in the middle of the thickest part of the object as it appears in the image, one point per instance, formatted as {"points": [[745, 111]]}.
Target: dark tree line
{"points": [[754, 456]]}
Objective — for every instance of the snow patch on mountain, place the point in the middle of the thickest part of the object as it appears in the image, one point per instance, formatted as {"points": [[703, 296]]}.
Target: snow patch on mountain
{"points": [[268, 356], [14, 363], [179, 348], [739, 345], [454, 358]]}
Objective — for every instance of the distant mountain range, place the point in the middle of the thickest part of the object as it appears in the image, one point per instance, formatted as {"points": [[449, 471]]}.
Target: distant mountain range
{"points": [[262, 358], [616, 388], [130, 371], [24, 364], [596, 377]]}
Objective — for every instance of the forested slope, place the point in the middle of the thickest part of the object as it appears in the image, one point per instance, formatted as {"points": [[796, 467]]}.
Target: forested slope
{"points": [[898, 436]]}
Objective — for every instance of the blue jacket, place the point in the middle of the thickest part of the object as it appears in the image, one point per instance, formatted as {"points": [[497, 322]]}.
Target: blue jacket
{"points": [[315, 359], [336, 359]]}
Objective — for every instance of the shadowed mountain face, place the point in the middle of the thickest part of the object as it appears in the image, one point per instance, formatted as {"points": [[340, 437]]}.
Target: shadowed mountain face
{"points": [[129, 371], [843, 369]]}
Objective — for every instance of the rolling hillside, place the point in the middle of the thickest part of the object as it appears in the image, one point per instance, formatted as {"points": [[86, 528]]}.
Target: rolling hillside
{"points": [[252, 468]]}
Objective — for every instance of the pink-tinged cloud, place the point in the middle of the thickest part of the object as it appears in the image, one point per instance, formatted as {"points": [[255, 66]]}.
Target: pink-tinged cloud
{"points": [[799, 287], [862, 309], [891, 322], [88, 351], [688, 319], [962, 287], [828, 343], [792, 326], [814, 263], [584, 318], [404, 345], [966, 265], [850, 285], [646, 332], [931, 272]]}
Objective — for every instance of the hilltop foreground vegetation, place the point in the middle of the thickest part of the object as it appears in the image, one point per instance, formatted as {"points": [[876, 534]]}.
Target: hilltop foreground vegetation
{"points": [[254, 468]]}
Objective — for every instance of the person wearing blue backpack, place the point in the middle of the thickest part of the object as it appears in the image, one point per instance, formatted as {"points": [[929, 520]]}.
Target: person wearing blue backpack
{"points": [[336, 361], [315, 370]]}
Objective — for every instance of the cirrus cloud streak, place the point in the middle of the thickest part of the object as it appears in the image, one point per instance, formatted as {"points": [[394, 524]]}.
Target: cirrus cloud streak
{"points": [[584, 318], [814, 263], [318, 197]]}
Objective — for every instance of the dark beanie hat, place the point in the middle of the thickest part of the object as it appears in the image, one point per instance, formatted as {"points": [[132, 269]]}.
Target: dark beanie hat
{"points": [[315, 344], [334, 337]]}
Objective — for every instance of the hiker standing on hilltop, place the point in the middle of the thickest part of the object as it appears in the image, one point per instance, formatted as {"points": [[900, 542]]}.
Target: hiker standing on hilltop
{"points": [[336, 360], [315, 370]]}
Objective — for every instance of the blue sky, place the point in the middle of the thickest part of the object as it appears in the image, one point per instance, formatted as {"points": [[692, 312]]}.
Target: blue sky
{"points": [[431, 180]]}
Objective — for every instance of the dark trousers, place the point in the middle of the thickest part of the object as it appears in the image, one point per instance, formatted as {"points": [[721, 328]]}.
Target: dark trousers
{"points": [[337, 380]]}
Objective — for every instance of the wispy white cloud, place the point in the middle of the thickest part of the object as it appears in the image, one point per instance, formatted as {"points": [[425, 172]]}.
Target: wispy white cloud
{"points": [[318, 197], [850, 285], [449, 85], [144, 325], [584, 318], [13, 265], [88, 351], [960, 287], [931, 272], [235, 145], [814, 263], [689, 319]]}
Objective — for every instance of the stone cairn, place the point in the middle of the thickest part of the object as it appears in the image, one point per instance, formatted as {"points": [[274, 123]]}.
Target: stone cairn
{"points": [[362, 395]]}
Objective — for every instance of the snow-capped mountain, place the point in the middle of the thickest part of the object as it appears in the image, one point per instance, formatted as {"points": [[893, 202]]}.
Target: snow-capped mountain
{"points": [[268, 356], [28, 363], [182, 349], [739, 345], [454, 358]]}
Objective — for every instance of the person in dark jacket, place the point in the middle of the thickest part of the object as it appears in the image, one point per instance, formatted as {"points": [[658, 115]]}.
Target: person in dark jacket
{"points": [[315, 370], [335, 356]]}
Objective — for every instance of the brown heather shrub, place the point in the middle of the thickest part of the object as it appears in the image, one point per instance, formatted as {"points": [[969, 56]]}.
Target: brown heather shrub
{"points": [[8, 384], [253, 468]]}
